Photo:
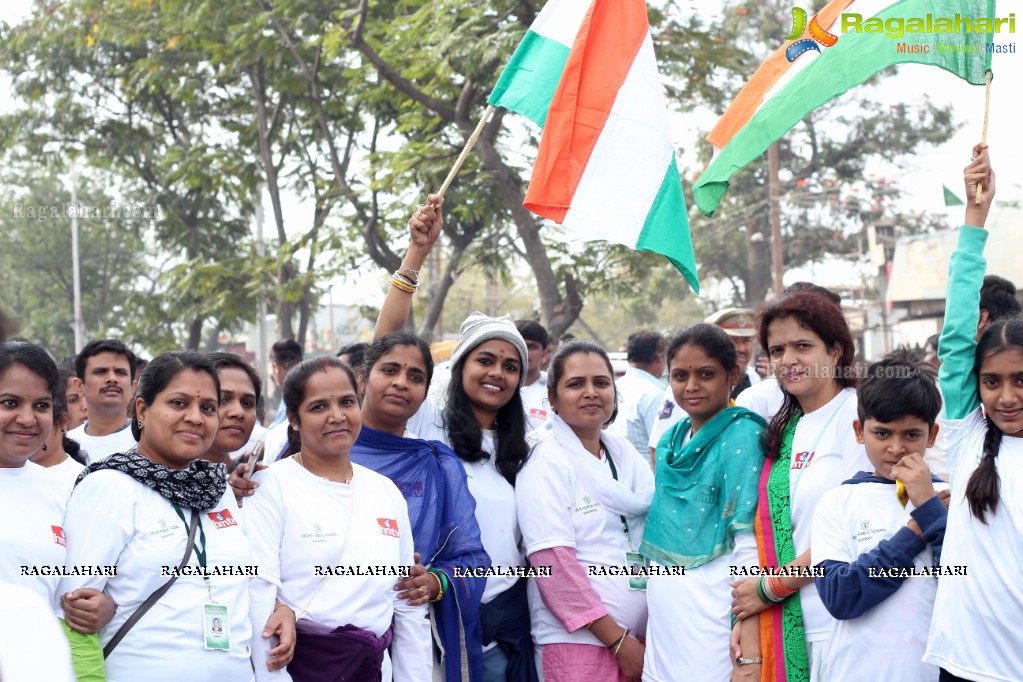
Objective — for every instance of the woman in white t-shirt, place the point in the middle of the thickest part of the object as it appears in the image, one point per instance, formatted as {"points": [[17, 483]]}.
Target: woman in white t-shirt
{"points": [[60, 454], [484, 422], [332, 538], [240, 388], [582, 501], [811, 448], [32, 499], [129, 521]]}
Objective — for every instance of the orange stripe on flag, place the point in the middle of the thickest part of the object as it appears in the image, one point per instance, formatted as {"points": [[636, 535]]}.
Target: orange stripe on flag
{"points": [[741, 110], [600, 60]]}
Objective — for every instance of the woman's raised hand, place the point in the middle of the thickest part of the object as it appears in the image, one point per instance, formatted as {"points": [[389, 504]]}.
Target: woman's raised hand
{"points": [[426, 223]]}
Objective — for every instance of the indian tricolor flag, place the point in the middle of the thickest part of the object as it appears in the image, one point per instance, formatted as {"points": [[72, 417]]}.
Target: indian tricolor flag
{"points": [[780, 93], [606, 167]]}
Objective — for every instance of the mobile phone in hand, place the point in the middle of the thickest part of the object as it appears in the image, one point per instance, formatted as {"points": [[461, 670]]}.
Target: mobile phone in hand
{"points": [[253, 459]]}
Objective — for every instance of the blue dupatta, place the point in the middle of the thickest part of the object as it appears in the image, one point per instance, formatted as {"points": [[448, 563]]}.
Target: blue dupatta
{"points": [[444, 531]]}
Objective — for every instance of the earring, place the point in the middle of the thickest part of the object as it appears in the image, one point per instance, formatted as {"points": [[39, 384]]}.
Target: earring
{"points": [[141, 424], [45, 447]]}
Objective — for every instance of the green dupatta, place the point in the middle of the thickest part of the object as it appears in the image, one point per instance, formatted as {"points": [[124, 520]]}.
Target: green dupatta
{"points": [[705, 490]]}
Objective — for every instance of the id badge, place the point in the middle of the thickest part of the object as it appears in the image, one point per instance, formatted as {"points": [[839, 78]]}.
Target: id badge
{"points": [[214, 627], [637, 568]]}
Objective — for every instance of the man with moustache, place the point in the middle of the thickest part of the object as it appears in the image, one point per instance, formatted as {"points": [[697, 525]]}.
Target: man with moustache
{"points": [[107, 370]]}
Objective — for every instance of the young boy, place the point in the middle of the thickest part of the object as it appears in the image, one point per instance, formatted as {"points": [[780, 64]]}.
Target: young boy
{"points": [[880, 551]]}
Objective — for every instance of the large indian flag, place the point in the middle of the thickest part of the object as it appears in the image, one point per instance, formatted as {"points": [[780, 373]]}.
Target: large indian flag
{"points": [[780, 93], [606, 166]]}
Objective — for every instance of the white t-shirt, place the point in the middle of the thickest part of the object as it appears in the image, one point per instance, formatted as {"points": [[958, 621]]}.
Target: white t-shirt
{"points": [[850, 521], [97, 448], [534, 400], [32, 504], [275, 440], [556, 510], [495, 500], [824, 453], [306, 522], [702, 600], [764, 398], [68, 472], [113, 520], [32, 645], [974, 632]]}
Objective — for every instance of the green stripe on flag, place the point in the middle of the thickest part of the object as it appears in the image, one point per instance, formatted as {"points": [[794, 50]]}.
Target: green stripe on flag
{"points": [[528, 82], [851, 61], [666, 230]]}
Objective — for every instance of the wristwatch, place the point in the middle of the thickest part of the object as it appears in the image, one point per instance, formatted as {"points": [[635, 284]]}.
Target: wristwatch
{"points": [[739, 660]]}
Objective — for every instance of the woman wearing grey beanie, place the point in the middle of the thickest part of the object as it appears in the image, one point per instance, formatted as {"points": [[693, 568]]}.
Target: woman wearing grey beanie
{"points": [[484, 422]]}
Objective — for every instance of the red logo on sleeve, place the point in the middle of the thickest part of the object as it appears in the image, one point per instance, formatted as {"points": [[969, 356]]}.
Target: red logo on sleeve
{"points": [[222, 518], [388, 527], [58, 536]]}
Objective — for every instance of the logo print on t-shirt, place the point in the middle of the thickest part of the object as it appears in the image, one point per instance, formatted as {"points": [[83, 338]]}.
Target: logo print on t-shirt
{"points": [[222, 518], [537, 413], [666, 409], [58, 536], [802, 460], [388, 527]]}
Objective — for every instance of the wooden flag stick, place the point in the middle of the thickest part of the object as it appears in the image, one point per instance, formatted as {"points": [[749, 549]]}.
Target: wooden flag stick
{"points": [[470, 143], [983, 134]]}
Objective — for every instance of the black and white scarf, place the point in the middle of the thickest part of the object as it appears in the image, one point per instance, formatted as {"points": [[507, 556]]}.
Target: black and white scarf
{"points": [[200, 486]]}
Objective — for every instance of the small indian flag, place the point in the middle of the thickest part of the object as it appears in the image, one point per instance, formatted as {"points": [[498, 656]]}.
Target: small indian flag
{"points": [[780, 93], [606, 166]]}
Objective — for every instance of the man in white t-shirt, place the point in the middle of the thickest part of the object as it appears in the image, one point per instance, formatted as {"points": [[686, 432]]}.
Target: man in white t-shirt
{"points": [[534, 390], [641, 388], [738, 324], [107, 370]]}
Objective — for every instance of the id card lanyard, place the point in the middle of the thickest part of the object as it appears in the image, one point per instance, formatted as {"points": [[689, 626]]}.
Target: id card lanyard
{"points": [[200, 552], [215, 618], [633, 559], [614, 474]]}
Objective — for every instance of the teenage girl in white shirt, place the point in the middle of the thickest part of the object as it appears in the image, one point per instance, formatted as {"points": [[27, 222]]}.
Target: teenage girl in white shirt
{"points": [[974, 631]]}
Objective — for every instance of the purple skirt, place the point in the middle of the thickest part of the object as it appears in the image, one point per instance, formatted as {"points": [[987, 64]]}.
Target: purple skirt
{"points": [[344, 654]]}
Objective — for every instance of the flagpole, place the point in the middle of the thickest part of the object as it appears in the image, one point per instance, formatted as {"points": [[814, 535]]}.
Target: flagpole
{"points": [[983, 134], [471, 142]]}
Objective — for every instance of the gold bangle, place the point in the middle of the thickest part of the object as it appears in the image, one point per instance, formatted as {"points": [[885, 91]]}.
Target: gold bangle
{"points": [[440, 588]]}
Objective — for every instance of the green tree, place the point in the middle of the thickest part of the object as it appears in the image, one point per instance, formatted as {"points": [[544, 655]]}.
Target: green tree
{"points": [[36, 267]]}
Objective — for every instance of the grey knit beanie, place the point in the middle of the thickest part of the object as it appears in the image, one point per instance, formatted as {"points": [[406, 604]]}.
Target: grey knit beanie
{"points": [[479, 327]]}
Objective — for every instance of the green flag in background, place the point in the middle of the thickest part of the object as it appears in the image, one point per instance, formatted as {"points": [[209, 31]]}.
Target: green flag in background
{"points": [[950, 197]]}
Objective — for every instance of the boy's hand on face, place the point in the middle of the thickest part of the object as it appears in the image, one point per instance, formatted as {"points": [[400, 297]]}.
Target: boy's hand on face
{"points": [[913, 471]]}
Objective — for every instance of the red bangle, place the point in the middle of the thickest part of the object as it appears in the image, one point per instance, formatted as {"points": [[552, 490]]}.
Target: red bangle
{"points": [[778, 587]]}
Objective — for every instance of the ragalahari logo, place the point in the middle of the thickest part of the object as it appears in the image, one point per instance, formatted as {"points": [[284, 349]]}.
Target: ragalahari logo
{"points": [[818, 36]]}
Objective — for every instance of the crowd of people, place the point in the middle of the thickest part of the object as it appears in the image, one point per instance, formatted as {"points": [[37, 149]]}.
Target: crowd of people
{"points": [[800, 516]]}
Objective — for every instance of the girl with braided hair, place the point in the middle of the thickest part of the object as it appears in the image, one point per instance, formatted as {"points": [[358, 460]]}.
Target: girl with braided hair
{"points": [[982, 381]]}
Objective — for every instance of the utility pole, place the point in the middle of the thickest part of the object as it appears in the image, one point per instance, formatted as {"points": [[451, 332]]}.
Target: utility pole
{"points": [[76, 270], [776, 245]]}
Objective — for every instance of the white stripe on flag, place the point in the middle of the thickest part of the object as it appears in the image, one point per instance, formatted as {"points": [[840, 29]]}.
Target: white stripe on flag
{"points": [[628, 164]]}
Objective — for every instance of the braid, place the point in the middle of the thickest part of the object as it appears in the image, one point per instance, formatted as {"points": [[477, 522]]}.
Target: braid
{"points": [[983, 488]]}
